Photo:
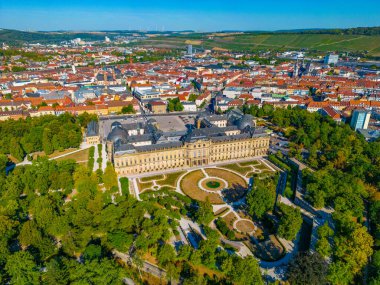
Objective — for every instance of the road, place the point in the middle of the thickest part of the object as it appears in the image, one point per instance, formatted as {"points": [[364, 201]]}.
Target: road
{"points": [[118, 117], [146, 266]]}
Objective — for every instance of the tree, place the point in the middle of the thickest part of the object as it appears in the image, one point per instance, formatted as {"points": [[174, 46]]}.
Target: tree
{"points": [[16, 149], [290, 222], [340, 273], [204, 213], [92, 251], [323, 246], [261, 198], [3, 163], [175, 105], [192, 97], [172, 271], [246, 271], [165, 254], [22, 269], [29, 234], [184, 252], [56, 273], [355, 249], [128, 109], [120, 240], [308, 268], [103, 271], [110, 177], [47, 141]]}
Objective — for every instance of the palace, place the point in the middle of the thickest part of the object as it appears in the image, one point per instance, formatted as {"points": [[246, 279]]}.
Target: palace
{"points": [[140, 148]]}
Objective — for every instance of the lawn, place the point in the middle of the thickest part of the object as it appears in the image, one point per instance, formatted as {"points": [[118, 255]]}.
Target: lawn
{"points": [[262, 167], [145, 186], [239, 169], [78, 156], [151, 178], [261, 175], [249, 163], [58, 153], [245, 226], [221, 211], [230, 219], [171, 179], [270, 250], [189, 186], [232, 179]]}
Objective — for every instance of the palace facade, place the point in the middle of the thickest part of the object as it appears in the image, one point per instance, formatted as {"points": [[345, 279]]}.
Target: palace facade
{"points": [[135, 148]]}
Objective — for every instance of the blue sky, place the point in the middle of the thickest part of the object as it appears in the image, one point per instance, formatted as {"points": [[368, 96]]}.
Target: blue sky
{"points": [[196, 15]]}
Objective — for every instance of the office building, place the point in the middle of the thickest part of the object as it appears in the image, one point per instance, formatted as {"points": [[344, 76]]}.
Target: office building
{"points": [[189, 50], [360, 119], [331, 59]]}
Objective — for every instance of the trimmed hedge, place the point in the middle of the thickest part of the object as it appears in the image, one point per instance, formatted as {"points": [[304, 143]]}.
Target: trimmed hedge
{"points": [[124, 182], [223, 228], [91, 160]]}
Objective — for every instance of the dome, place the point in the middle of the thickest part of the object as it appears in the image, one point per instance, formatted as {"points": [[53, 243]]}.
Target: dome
{"points": [[245, 122], [115, 124], [117, 134]]}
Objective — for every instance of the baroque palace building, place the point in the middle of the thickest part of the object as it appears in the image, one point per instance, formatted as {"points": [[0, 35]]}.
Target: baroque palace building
{"points": [[141, 148]]}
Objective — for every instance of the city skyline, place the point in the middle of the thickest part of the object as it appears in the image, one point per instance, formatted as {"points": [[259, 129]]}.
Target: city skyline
{"points": [[195, 15]]}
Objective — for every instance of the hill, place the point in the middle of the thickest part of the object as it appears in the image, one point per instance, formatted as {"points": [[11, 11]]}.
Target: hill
{"points": [[357, 40], [274, 41]]}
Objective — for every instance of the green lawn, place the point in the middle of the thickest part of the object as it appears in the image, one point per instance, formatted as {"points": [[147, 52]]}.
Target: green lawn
{"points": [[241, 170], [77, 156], [145, 186], [151, 178], [170, 179], [249, 163]]}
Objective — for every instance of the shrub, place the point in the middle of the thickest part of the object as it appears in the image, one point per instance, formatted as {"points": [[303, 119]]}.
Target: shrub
{"points": [[124, 182], [223, 228]]}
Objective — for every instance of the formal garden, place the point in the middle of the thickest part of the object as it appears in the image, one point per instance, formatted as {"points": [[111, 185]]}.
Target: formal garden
{"points": [[225, 188]]}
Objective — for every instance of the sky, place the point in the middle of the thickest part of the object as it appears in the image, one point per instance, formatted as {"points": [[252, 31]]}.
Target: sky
{"points": [[203, 16]]}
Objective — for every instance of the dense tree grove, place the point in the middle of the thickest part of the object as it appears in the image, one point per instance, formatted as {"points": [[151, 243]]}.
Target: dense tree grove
{"points": [[346, 176], [290, 222], [308, 268], [262, 196], [45, 225], [46, 133], [60, 223]]}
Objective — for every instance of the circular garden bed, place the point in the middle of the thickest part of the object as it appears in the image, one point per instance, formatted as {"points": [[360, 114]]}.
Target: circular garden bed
{"points": [[213, 184], [189, 185], [245, 226]]}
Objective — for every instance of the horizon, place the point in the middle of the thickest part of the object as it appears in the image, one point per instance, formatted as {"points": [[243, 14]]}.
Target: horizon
{"points": [[187, 31], [198, 16]]}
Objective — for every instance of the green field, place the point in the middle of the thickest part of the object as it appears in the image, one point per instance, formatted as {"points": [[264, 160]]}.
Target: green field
{"points": [[245, 42]]}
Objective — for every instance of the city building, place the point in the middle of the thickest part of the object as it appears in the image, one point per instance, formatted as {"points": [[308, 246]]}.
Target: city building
{"points": [[331, 59], [92, 133], [190, 50], [211, 140], [360, 119], [157, 107]]}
